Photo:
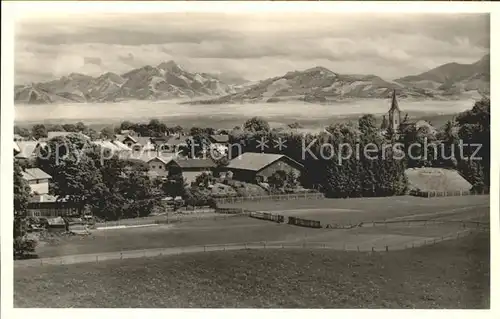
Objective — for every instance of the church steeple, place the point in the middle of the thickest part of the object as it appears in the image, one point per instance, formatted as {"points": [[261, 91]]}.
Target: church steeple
{"points": [[394, 113]]}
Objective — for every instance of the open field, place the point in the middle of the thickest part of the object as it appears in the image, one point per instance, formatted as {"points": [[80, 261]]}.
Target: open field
{"points": [[357, 210], [241, 229], [451, 274]]}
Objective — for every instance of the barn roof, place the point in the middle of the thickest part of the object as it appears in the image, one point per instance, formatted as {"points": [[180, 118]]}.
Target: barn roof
{"points": [[31, 174], [195, 163], [256, 161], [219, 138], [427, 179]]}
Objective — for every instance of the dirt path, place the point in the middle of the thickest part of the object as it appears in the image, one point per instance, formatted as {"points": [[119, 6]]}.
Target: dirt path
{"points": [[364, 244]]}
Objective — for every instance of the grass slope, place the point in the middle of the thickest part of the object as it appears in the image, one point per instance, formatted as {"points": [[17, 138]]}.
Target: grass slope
{"points": [[453, 274]]}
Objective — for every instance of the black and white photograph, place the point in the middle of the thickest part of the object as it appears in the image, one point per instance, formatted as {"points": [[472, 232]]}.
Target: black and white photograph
{"points": [[222, 159]]}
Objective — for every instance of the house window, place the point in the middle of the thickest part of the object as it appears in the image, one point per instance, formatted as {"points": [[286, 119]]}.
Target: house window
{"points": [[154, 166], [160, 167]]}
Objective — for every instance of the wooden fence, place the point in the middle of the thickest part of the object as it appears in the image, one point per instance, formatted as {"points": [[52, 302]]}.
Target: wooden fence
{"points": [[367, 247], [268, 216], [304, 222], [280, 197], [433, 194]]}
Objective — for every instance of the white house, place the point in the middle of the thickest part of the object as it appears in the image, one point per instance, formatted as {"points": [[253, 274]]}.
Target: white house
{"points": [[38, 180]]}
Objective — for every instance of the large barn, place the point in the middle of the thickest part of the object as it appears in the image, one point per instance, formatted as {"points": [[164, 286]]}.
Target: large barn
{"points": [[258, 167]]}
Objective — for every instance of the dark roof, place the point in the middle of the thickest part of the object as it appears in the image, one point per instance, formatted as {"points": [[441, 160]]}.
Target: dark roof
{"points": [[256, 161], [195, 163], [219, 138], [31, 174]]}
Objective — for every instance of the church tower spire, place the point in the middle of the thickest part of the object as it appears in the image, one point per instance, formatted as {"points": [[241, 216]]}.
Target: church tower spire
{"points": [[394, 113]]}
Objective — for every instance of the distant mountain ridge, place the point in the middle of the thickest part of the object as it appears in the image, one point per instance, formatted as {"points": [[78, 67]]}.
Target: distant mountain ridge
{"points": [[169, 80], [321, 85]]}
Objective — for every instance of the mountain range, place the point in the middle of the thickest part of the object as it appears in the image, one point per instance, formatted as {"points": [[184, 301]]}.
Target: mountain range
{"points": [[169, 80]]}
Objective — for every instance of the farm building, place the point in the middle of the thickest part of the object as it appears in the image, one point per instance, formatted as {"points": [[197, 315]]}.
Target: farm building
{"points": [[190, 168], [158, 165], [49, 206], [430, 180], [138, 143], [258, 167], [27, 149], [37, 179]]}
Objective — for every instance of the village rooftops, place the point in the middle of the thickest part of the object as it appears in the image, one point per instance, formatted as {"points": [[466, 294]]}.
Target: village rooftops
{"points": [[256, 161], [31, 174], [26, 148]]}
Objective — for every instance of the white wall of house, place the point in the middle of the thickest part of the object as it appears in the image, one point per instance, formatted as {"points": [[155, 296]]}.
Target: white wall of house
{"points": [[40, 186], [157, 166]]}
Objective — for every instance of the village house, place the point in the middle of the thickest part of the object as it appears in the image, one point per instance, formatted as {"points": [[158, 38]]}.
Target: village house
{"points": [[138, 143], [158, 166], [37, 179], [27, 149], [258, 167], [175, 143], [46, 205], [190, 168]]}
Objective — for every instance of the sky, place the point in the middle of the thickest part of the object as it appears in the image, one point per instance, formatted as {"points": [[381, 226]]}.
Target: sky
{"points": [[254, 46]]}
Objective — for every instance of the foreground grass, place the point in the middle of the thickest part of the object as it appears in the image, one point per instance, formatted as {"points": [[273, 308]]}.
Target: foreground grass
{"points": [[453, 274]]}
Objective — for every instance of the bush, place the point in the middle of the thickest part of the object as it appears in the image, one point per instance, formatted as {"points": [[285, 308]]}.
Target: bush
{"points": [[24, 247]]}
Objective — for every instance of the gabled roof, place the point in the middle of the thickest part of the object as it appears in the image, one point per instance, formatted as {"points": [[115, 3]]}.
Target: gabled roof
{"points": [[219, 138], [128, 137], [163, 159], [256, 161], [121, 146], [26, 148], [31, 174], [16, 148], [195, 163]]}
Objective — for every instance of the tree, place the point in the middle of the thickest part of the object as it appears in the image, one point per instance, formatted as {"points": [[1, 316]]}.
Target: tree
{"points": [[278, 179], [38, 131], [474, 130], [203, 180], [22, 131], [80, 127], [22, 245], [70, 128], [256, 124], [175, 185], [294, 125], [107, 133]]}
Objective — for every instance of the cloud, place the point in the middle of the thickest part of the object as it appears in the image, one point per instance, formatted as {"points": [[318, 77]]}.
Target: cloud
{"points": [[251, 46]]}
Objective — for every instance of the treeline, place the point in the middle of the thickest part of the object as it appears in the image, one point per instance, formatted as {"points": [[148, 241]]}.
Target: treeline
{"points": [[154, 128]]}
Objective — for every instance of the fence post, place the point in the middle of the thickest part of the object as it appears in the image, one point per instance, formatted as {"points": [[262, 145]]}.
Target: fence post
{"points": [[204, 248], [245, 245], [412, 245], [121, 255], [96, 259], [386, 248], [358, 248], [373, 249]]}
